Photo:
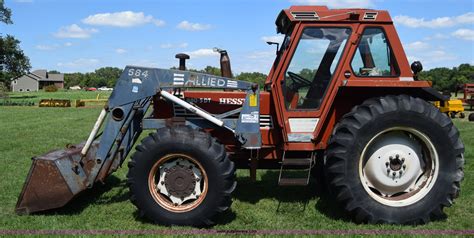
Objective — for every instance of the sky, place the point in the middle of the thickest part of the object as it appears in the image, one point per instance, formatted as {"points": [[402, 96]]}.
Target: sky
{"points": [[81, 36]]}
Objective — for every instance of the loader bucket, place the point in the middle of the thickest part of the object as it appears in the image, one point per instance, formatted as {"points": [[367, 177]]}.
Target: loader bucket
{"points": [[54, 179]]}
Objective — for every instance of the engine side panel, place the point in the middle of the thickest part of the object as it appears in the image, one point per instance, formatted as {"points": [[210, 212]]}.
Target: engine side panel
{"points": [[218, 102]]}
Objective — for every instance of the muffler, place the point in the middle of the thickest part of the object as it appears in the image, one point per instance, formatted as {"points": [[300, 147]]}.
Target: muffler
{"points": [[56, 178]]}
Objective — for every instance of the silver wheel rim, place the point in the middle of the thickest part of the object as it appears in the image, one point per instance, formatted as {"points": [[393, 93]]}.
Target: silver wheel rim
{"points": [[399, 166], [167, 196]]}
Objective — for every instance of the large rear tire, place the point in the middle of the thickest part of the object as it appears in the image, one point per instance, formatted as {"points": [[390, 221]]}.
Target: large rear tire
{"points": [[395, 159], [181, 176]]}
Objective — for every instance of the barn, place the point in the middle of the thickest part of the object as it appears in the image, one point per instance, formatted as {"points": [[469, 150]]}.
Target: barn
{"points": [[36, 80]]}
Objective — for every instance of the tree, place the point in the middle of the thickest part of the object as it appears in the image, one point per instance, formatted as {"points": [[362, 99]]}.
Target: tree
{"points": [[3, 91], [53, 72], [13, 62], [5, 14], [106, 76], [212, 70], [254, 77], [449, 80]]}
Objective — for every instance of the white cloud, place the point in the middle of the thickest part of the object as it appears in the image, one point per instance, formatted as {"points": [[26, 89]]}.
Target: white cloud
{"points": [[417, 45], [120, 51], [465, 34], [432, 58], [337, 3], [122, 19], [437, 36], [183, 45], [46, 47], [173, 46], [202, 53], [189, 26], [75, 31], [53, 46], [79, 63], [277, 38], [145, 63], [440, 56], [439, 22], [262, 55], [166, 46]]}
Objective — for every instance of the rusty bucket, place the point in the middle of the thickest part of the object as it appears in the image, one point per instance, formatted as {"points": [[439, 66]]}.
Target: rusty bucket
{"points": [[55, 178]]}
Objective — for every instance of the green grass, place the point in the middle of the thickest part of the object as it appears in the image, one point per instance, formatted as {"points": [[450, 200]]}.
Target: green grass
{"points": [[61, 94], [29, 131]]}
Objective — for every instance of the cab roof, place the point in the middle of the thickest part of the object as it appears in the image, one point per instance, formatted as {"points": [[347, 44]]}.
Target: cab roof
{"points": [[324, 14]]}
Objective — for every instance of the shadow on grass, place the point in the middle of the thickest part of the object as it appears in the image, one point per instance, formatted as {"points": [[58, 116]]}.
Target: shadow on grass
{"points": [[221, 219], [93, 196], [96, 196], [22, 97], [290, 199]]}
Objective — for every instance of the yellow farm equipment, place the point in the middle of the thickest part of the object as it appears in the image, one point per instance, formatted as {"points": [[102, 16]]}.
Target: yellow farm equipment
{"points": [[451, 108], [82, 102], [55, 103]]}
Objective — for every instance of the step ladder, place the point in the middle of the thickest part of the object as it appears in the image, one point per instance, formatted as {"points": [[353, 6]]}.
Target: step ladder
{"points": [[299, 165]]}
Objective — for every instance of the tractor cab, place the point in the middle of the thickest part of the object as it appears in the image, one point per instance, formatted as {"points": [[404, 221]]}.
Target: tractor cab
{"points": [[324, 50]]}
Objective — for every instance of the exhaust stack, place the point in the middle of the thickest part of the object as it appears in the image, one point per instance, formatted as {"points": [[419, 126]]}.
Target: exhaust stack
{"points": [[226, 70]]}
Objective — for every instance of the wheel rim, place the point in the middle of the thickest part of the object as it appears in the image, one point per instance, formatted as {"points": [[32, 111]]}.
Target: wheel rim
{"points": [[398, 166], [178, 182]]}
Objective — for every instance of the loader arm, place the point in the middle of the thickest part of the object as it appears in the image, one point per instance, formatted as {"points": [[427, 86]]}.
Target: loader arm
{"points": [[57, 177]]}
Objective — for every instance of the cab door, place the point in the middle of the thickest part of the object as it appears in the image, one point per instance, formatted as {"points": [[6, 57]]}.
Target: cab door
{"points": [[305, 78]]}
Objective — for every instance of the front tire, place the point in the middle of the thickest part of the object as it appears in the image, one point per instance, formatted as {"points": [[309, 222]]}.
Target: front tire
{"points": [[181, 176], [395, 159]]}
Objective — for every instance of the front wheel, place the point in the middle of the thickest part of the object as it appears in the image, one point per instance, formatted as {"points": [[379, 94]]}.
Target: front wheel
{"points": [[395, 159], [181, 176]]}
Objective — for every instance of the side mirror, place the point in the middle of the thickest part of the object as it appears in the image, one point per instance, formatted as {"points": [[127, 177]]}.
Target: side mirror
{"points": [[416, 67], [274, 43]]}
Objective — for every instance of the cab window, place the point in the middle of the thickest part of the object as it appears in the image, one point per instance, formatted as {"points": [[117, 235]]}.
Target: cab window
{"points": [[374, 57], [312, 66]]}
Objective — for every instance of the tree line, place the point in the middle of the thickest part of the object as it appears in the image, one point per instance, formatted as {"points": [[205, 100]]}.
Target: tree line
{"points": [[449, 80], [444, 79], [108, 76]]}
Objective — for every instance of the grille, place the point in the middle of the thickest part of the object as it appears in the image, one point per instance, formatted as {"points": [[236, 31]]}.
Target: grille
{"points": [[305, 16], [370, 15]]}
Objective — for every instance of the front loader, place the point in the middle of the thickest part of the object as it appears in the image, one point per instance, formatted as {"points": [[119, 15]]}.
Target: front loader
{"points": [[340, 93]]}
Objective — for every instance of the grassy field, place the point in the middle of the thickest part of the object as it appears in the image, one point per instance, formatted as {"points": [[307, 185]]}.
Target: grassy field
{"points": [[29, 131], [61, 94]]}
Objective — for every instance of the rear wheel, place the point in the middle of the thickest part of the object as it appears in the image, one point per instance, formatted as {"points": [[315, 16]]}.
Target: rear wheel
{"points": [[395, 159], [181, 176]]}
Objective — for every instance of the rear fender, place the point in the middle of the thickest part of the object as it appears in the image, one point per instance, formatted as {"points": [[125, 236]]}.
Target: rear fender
{"points": [[349, 97]]}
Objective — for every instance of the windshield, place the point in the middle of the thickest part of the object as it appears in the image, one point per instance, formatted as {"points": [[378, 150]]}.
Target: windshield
{"points": [[312, 66]]}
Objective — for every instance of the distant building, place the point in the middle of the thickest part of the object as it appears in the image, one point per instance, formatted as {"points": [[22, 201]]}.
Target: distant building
{"points": [[36, 80]]}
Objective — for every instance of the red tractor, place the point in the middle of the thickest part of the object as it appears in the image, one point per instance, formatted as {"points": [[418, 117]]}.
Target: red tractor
{"points": [[341, 93]]}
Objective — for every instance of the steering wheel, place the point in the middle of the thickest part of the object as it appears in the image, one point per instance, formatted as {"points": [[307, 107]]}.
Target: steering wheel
{"points": [[299, 81]]}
